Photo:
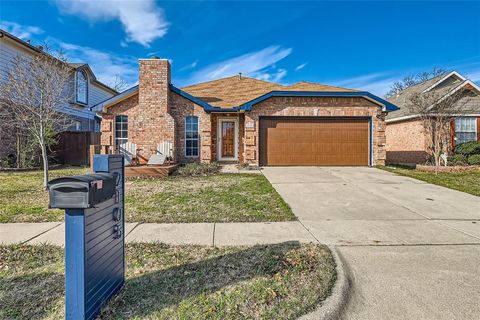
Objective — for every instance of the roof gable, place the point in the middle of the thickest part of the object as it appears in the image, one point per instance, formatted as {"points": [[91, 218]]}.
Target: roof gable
{"points": [[443, 85], [445, 79]]}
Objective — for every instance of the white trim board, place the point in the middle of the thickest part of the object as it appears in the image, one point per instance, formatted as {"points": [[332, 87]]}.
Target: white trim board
{"points": [[453, 73]]}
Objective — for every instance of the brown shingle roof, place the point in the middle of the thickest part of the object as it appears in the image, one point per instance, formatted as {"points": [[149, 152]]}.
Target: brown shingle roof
{"points": [[235, 91], [311, 86]]}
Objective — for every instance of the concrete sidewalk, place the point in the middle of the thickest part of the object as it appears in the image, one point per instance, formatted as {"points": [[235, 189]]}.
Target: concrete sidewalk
{"points": [[219, 234]]}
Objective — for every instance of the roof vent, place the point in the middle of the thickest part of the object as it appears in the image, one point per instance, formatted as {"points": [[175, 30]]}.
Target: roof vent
{"points": [[239, 76], [155, 57]]}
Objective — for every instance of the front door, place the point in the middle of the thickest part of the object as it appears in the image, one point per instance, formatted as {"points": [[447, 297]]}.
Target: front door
{"points": [[227, 139]]}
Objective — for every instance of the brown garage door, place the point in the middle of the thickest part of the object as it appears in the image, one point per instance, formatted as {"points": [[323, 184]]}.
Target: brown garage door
{"points": [[314, 141]]}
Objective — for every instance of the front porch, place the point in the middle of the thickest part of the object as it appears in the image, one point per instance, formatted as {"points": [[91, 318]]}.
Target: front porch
{"points": [[134, 168]]}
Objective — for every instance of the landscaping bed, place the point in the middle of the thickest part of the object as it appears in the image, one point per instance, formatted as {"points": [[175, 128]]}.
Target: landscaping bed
{"points": [[281, 281], [203, 197], [467, 180]]}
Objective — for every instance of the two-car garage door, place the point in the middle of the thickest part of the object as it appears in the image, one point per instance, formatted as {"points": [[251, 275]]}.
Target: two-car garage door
{"points": [[295, 141]]}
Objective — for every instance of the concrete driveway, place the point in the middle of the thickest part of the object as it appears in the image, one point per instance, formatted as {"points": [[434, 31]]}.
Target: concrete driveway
{"points": [[412, 248]]}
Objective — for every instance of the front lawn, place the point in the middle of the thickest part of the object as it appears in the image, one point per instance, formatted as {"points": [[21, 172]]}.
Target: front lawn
{"points": [[209, 198], [281, 281], [212, 198], [22, 198], [466, 181]]}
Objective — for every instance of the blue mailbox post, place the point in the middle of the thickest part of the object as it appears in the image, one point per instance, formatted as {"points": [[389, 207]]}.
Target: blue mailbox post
{"points": [[94, 235]]}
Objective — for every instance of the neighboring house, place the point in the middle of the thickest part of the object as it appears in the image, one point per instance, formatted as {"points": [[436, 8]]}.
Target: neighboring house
{"points": [[406, 138], [88, 90], [245, 120]]}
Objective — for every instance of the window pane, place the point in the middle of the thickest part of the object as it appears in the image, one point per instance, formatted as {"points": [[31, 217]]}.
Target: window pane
{"points": [[191, 136], [121, 129], [81, 85], [466, 124]]}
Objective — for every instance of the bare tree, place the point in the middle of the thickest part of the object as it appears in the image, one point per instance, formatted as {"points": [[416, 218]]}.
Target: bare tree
{"points": [[412, 80], [119, 84], [33, 93], [436, 112]]}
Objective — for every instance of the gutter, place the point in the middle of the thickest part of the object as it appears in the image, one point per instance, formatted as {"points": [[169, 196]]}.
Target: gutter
{"points": [[386, 106]]}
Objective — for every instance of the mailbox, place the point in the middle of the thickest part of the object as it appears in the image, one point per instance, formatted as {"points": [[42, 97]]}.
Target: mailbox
{"points": [[94, 235], [81, 192]]}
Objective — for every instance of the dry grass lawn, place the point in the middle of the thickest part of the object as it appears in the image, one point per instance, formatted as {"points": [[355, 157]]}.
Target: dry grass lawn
{"points": [[213, 198], [207, 198], [281, 281]]}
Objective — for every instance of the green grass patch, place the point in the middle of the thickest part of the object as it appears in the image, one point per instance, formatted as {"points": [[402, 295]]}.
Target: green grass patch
{"points": [[203, 198], [466, 181], [281, 281], [23, 199]]}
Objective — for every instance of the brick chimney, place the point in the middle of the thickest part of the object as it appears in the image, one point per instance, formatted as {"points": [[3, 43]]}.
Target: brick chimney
{"points": [[158, 126], [154, 81]]}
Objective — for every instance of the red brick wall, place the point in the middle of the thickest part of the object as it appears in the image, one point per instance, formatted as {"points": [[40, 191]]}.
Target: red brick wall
{"points": [[313, 106], [149, 119], [128, 107], [406, 142], [180, 108]]}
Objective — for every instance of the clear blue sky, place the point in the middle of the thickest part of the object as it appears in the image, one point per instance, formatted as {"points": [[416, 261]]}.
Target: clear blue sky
{"points": [[364, 45]]}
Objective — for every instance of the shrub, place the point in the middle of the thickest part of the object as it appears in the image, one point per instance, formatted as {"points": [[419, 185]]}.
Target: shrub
{"points": [[457, 160], [468, 148], [474, 159], [197, 169]]}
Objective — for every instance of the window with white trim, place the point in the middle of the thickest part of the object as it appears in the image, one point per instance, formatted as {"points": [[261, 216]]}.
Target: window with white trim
{"points": [[191, 136], [81, 87], [121, 130], [465, 129]]}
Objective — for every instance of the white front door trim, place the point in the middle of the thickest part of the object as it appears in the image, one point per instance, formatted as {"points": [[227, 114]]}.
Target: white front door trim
{"points": [[220, 157]]}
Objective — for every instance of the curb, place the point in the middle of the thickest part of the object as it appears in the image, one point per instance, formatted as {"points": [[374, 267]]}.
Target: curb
{"points": [[333, 307]]}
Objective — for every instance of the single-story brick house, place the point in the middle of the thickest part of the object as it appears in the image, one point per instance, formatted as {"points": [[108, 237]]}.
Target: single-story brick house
{"points": [[245, 120], [406, 138]]}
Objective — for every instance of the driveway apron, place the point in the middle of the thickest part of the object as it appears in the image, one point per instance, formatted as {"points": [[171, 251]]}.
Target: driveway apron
{"points": [[412, 248]]}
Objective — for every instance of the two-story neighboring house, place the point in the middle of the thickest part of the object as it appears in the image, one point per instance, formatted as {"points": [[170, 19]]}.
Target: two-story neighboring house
{"points": [[88, 92]]}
